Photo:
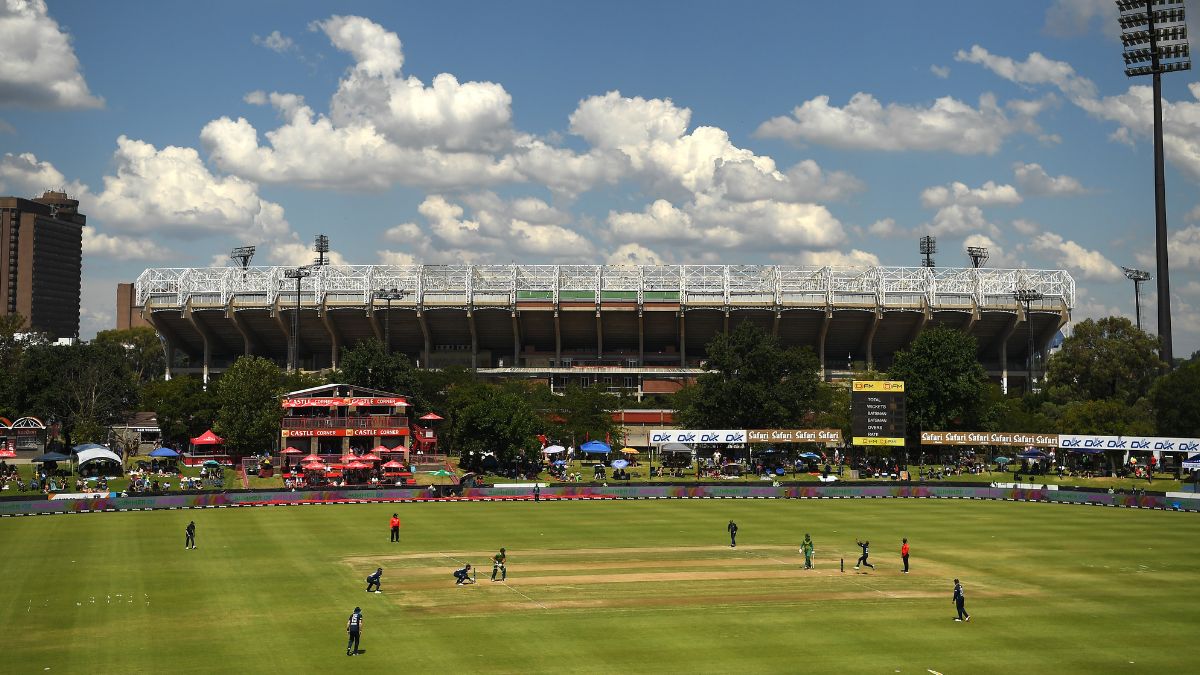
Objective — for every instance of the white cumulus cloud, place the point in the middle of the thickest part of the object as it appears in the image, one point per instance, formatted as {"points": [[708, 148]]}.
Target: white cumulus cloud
{"points": [[1090, 264], [118, 247], [988, 194], [276, 42], [1033, 179], [38, 66], [864, 123]]}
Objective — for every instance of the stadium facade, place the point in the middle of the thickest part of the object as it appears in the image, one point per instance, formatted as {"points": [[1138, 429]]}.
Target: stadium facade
{"points": [[641, 328]]}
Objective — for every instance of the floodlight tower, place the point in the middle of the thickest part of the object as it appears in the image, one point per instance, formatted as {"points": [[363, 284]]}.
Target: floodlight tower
{"points": [[388, 295], [978, 255], [321, 248], [1137, 277], [928, 248], [1159, 24], [298, 274], [243, 254], [1028, 296]]}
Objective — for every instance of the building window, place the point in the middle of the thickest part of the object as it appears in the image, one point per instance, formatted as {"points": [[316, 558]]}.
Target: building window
{"points": [[630, 383], [585, 382]]}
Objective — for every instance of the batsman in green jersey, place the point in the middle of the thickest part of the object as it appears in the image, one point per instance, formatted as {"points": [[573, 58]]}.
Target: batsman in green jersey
{"points": [[498, 565], [807, 548]]}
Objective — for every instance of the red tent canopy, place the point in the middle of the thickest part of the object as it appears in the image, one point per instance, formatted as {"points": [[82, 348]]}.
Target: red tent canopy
{"points": [[380, 448], [393, 465], [311, 458], [315, 466], [208, 438], [431, 417], [369, 457], [292, 451], [357, 465]]}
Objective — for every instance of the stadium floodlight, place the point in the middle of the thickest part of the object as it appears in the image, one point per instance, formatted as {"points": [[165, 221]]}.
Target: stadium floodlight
{"points": [[388, 295], [1028, 296], [928, 248], [321, 248], [1160, 24], [298, 273], [242, 254], [1137, 277], [978, 255]]}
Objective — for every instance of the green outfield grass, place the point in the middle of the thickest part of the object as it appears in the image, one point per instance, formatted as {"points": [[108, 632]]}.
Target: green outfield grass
{"points": [[605, 587]]}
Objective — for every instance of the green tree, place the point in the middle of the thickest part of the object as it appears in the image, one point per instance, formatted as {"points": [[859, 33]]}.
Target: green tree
{"points": [[751, 383], [11, 346], [1108, 359], [87, 387], [182, 405], [1176, 405], [369, 364], [497, 421], [945, 386], [142, 350], [581, 413], [1107, 418], [249, 412]]}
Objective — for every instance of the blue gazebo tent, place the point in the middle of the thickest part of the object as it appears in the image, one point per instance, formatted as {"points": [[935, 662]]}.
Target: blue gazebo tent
{"points": [[1192, 462], [595, 448], [163, 452]]}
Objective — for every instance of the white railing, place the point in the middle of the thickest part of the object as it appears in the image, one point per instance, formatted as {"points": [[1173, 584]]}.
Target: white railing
{"points": [[696, 285]]}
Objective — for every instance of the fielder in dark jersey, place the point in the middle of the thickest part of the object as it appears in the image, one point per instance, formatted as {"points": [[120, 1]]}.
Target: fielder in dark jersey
{"points": [[732, 534], [354, 631], [189, 540], [960, 601], [374, 580]]}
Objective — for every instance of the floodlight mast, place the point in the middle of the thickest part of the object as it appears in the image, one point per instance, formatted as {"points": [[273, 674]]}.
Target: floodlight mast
{"points": [[1028, 296], [1137, 277], [978, 255], [1164, 24], [388, 295], [243, 254], [298, 274], [928, 248], [321, 248]]}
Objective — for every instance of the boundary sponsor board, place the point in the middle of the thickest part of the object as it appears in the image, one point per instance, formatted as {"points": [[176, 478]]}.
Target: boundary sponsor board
{"points": [[989, 438], [794, 435], [1137, 443], [660, 436], [283, 498]]}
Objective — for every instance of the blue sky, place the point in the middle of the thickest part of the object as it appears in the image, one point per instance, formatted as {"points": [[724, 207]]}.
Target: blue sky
{"points": [[538, 132]]}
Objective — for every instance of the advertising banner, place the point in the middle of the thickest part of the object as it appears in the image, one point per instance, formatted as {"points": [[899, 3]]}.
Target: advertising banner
{"points": [[1004, 438], [337, 401], [660, 436], [334, 433], [794, 435], [1126, 443]]}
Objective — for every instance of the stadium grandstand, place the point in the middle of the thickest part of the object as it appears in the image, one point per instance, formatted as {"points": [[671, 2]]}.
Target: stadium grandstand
{"points": [[638, 328]]}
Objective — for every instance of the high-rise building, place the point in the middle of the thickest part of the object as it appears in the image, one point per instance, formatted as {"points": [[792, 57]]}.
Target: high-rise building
{"points": [[129, 315], [41, 254]]}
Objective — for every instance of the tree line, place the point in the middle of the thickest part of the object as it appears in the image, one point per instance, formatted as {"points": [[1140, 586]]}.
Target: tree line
{"points": [[1106, 379]]}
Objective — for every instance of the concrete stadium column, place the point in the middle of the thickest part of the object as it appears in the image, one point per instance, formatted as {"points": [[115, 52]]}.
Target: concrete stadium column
{"points": [[169, 348], [599, 335], [919, 326], [682, 339], [335, 338], [424, 333], [285, 327], [374, 320], [1002, 342], [205, 338], [169, 338], [516, 325], [557, 339], [868, 343], [247, 340], [972, 318], [641, 341], [775, 324], [474, 340], [821, 339], [725, 325]]}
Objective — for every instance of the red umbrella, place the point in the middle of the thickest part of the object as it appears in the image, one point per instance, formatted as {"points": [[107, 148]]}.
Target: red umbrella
{"points": [[369, 457], [312, 466], [393, 465], [432, 417], [381, 449], [311, 458], [357, 465], [292, 451]]}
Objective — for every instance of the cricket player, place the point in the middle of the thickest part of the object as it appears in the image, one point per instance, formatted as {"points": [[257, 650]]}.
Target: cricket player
{"points": [[462, 576], [960, 600], [354, 631], [395, 523], [862, 560], [374, 580], [732, 534], [904, 553], [189, 540], [807, 547], [498, 565]]}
